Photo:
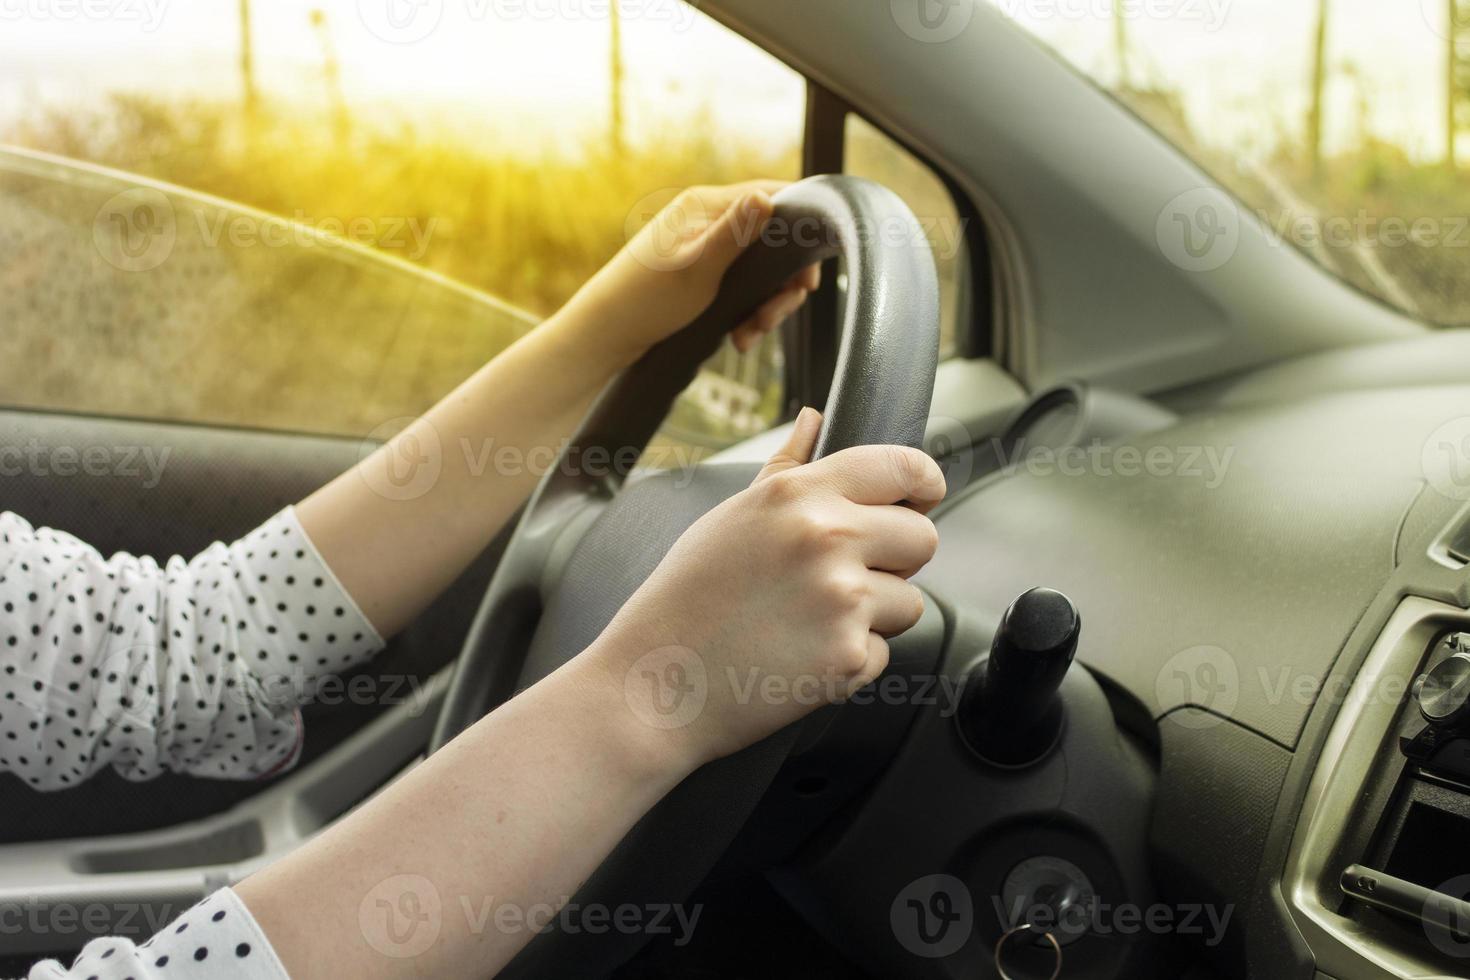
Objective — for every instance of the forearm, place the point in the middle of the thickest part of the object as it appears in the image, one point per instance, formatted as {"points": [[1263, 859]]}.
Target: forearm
{"points": [[402, 524], [509, 819]]}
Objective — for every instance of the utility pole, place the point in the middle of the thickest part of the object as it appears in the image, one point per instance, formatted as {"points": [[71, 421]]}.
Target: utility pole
{"points": [[1120, 46], [332, 77], [615, 24], [1452, 80], [247, 63], [1319, 82]]}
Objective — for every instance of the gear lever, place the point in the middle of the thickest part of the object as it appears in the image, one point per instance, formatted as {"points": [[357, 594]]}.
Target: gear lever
{"points": [[1010, 714]]}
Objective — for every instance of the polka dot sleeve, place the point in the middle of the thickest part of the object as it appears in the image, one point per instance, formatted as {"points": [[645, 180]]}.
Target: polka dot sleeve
{"points": [[218, 938], [195, 667]]}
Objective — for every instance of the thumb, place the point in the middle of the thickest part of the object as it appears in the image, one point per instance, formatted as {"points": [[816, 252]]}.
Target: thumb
{"points": [[733, 231], [799, 445]]}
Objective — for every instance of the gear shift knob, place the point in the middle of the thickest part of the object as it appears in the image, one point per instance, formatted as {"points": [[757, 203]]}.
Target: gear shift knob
{"points": [[1010, 713]]}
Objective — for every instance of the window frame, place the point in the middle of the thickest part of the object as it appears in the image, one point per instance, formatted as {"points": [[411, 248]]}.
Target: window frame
{"points": [[811, 346]]}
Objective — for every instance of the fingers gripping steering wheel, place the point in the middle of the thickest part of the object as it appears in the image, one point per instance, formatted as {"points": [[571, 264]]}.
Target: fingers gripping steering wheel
{"points": [[585, 542]]}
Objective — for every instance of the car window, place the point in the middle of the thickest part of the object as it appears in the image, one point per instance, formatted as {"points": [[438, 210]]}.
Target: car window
{"points": [[447, 176], [127, 299], [1341, 125], [869, 152]]}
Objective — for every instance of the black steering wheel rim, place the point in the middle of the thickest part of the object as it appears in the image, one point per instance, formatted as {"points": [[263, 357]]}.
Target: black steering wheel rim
{"points": [[881, 392]]}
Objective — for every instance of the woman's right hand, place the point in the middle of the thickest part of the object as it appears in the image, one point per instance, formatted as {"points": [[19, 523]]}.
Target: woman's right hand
{"points": [[774, 602], [780, 599]]}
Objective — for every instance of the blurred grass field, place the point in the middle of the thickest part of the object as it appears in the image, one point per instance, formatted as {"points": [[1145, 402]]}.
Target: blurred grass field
{"points": [[278, 344], [527, 227], [283, 337]]}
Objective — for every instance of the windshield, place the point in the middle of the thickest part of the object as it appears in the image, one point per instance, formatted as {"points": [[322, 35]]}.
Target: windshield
{"points": [[1340, 123]]}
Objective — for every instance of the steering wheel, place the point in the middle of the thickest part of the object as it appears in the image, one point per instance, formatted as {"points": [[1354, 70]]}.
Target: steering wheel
{"points": [[586, 541]]}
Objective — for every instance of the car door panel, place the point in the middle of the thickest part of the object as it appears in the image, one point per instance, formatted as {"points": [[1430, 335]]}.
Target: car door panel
{"points": [[213, 485]]}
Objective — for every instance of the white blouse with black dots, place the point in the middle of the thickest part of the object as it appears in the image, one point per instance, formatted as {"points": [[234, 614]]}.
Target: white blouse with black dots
{"points": [[195, 667], [216, 938]]}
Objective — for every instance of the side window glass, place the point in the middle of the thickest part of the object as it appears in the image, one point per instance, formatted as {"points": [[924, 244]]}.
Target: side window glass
{"points": [[869, 152], [317, 218]]}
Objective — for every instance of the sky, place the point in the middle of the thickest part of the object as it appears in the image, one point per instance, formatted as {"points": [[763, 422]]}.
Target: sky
{"points": [[516, 63], [532, 69]]}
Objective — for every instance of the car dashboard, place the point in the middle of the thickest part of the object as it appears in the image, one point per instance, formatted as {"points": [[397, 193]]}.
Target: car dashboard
{"points": [[1259, 585]]}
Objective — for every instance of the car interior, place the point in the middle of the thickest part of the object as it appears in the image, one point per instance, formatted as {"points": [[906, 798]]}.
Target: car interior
{"points": [[1186, 697]]}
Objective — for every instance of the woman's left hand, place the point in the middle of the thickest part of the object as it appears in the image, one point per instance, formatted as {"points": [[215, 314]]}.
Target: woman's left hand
{"points": [[671, 268]]}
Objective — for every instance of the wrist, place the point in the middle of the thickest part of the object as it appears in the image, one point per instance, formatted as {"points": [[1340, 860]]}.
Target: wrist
{"points": [[599, 323], [634, 743]]}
